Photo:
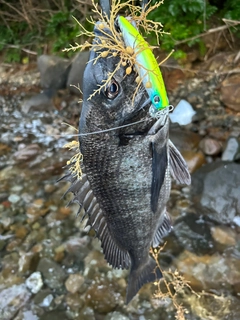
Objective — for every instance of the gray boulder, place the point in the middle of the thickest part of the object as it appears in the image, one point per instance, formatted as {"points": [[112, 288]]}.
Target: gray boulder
{"points": [[76, 73], [216, 191], [53, 71]]}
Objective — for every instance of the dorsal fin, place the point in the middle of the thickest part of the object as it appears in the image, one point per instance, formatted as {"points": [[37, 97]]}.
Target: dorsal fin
{"points": [[84, 196]]}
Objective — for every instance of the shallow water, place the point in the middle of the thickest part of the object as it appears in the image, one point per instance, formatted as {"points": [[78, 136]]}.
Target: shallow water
{"points": [[51, 268]]}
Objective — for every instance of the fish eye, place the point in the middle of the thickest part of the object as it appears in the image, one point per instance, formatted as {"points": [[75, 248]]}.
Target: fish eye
{"points": [[112, 90], [156, 99]]}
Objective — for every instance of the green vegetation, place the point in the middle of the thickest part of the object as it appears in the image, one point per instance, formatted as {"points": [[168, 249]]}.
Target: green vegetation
{"points": [[48, 26]]}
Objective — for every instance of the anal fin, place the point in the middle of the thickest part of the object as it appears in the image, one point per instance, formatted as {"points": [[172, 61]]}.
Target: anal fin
{"points": [[164, 227]]}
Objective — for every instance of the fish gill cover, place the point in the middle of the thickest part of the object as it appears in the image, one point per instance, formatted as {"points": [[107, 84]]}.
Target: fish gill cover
{"points": [[122, 179]]}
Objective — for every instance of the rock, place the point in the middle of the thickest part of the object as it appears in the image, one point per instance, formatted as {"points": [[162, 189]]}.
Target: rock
{"points": [[194, 160], [34, 283], [74, 283], [26, 153], [193, 234], [76, 72], [74, 301], [215, 191], [224, 235], [232, 150], [54, 315], [182, 113], [12, 299], [40, 102], [28, 262], [230, 92], [43, 298], [184, 140], [207, 271], [53, 71], [116, 316], [4, 149], [14, 198], [53, 274], [103, 297], [210, 146], [86, 314], [213, 306]]}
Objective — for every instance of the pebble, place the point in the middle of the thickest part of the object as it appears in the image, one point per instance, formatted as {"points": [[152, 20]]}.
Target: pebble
{"points": [[210, 146], [47, 301], [194, 159], [12, 299], [116, 316], [103, 297], [224, 235], [230, 92], [52, 273], [14, 198], [182, 113], [232, 150], [74, 282], [34, 283]]}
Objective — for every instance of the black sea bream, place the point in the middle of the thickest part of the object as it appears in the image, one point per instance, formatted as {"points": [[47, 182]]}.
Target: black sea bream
{"points": [[126, 172]]}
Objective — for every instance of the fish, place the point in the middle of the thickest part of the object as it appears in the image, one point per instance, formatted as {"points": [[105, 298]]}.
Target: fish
{"points": [[128, 161], [146, 65]]}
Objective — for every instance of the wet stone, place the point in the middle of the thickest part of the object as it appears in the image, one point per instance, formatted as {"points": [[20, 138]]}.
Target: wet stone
{"points": [[210, 147], [230, 92], [195, 160], [116, 316], [74, 301], [52, 273], [224, 235], [86, 313], [12, 299], [74, 283], [215, 191], [193, 234], [54, 315], [28, 262], [14, 198], [34, 283], [232, 150], [103, 297]]}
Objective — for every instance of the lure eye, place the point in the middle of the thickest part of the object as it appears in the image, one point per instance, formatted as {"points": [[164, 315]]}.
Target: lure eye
{"points": [[156, 99], [112, 90]]}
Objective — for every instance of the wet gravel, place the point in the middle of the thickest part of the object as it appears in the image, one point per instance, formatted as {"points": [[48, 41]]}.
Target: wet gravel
{"points": [[51, 268]]}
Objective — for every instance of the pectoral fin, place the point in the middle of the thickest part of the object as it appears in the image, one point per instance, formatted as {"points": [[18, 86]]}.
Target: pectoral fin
{"points": [[159, 166], [178, 166]]}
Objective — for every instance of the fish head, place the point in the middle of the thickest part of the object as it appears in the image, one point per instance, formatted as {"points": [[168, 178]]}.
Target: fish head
{"points": [[110, 98]]}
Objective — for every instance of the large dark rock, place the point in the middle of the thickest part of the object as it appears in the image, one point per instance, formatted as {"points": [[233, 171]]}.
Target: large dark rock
{"points": [[53, 71], [75, 76], [216, 191]]}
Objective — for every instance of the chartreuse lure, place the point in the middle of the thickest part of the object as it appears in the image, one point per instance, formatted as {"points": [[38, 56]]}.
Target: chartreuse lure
{"points": [[146, 66]]}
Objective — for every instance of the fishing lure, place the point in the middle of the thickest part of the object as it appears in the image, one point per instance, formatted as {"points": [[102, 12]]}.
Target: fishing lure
{"points": [[146, 66]]}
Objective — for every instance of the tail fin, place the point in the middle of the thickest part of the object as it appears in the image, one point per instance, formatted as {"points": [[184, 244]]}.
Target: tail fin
{"points": [[147, 272]]}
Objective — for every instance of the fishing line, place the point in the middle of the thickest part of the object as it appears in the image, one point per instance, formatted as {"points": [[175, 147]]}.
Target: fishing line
{"points": [[106, 130]]}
